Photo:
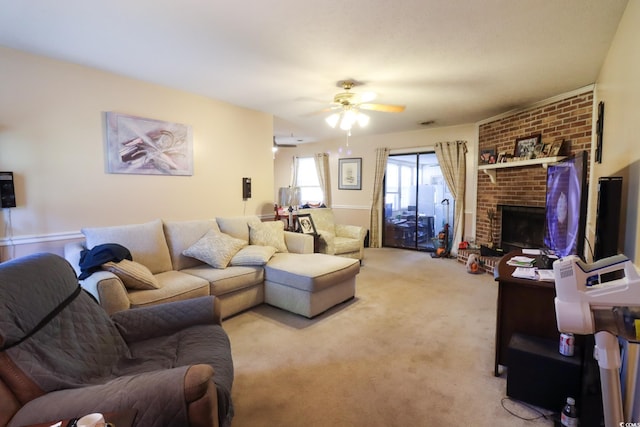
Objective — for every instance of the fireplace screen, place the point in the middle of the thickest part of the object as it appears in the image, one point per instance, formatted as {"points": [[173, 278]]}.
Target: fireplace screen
{"points": [[521, 227]]}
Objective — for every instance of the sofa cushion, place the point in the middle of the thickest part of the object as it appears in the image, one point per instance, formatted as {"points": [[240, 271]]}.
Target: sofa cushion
{"points": [[174, 286], [133, 274], [345, 245], [231, 279], [310, 272], [146, 242], [268, 234], [237, 226], [215, 248], [253, 255], [181, 235]]}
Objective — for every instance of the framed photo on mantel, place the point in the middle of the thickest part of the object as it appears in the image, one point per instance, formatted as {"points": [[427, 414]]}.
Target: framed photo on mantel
{"points": [[525, 147], [488, 156]]}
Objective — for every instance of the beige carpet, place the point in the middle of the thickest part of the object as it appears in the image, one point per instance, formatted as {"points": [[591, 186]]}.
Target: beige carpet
{"points": [[414, 348]]}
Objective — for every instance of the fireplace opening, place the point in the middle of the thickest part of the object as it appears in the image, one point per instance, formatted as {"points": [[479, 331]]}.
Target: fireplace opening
{"points": [[521, 227]]}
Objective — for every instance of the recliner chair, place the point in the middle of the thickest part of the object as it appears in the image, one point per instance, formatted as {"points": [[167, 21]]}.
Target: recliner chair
{"points": [[62, 356]]}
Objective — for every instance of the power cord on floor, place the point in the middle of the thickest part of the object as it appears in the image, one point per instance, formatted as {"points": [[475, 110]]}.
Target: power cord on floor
{"points": [[547, 416]]}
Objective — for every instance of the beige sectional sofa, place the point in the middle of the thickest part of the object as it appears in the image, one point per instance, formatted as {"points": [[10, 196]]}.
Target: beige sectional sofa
{"points": [[251, 280]]}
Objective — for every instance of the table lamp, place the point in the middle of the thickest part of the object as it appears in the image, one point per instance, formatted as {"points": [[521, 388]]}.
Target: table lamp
{"points": [[289, 196]]}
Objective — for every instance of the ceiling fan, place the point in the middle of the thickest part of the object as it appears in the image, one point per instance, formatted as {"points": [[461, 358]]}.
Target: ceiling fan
{"points": [[350, 103], [348, 99]]}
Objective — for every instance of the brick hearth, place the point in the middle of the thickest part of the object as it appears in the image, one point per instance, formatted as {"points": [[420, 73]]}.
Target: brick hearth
{"points": [[489, 263]]}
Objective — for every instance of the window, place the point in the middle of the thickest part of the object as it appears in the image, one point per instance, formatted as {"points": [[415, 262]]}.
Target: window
{"points": [[307, 180]]}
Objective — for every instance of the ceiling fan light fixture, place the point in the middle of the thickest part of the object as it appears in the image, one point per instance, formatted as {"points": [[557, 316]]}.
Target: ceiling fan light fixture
{"points": [[348, 119], [363, 119], [333, 120], [350, 104]]}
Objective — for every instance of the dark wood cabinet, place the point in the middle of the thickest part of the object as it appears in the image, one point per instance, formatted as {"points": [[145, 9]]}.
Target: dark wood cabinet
{"points": [[524, 306]]}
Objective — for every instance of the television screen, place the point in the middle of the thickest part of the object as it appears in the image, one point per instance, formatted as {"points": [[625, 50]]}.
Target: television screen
{"points": [[566, 206]]}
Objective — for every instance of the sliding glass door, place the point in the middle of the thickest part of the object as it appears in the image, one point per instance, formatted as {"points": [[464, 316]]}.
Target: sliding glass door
{"points": [[418, 203]]}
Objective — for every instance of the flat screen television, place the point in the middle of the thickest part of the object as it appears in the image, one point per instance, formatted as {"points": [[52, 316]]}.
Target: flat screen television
{"points": [[566, 206]]}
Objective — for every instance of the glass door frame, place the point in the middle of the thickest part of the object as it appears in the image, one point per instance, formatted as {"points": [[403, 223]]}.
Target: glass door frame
{"points": [[412, 219]]}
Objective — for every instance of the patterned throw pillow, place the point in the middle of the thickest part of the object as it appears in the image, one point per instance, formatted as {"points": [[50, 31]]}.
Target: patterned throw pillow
{"points": [[270, 233], [215, 248], [253, 255], [133, 274]]}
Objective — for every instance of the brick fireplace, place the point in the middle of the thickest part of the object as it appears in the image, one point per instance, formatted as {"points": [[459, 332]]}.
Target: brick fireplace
{"points": [[568, 119]]}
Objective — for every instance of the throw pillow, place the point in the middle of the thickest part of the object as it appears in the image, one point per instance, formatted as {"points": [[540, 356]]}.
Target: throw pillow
{"points": [[133, 274], [270, 233], [215, 248], [253, 255]]}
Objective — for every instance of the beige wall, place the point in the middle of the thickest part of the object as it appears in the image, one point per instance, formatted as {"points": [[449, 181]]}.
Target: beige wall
{"points": [[52, 138], [353, 206], [619, 87]]}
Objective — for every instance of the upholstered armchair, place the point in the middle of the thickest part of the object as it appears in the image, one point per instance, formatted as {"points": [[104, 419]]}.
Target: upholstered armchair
{"points": [[62, 356], [337, 239]]}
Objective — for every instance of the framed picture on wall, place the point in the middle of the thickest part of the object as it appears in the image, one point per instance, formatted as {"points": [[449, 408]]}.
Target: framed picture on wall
{"points": [[137, 145], [350, 174]]}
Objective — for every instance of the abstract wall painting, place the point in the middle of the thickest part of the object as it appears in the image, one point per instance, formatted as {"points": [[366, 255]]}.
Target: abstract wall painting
{"points": [[137, 145]]}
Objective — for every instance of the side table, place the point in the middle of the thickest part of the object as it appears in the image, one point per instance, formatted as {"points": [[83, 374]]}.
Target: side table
{"points": [[316, 242]]}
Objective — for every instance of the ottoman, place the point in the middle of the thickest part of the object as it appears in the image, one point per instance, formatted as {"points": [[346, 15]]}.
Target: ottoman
{"points": [[309, 284]]}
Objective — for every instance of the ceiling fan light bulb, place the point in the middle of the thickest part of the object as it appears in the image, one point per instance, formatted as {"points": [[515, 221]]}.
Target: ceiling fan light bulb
{"points": [[363, 120], [333, 119], [348, 119]]}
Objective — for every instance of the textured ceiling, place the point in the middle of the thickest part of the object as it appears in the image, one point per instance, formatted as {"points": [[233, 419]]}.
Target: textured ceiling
{"points": [[451, 61]]}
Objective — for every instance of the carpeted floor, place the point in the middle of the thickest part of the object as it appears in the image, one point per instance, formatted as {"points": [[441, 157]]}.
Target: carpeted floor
{"points": [[414, 348]]}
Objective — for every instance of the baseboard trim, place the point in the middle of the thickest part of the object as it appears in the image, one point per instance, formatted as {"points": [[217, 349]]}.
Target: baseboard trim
{"points": [[34, 239], [352, 207]]}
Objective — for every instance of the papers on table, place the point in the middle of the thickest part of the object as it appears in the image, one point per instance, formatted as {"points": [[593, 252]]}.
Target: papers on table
{"points": [[525, 269], [521, 261], [532, 251], [545, 275], [525, 273]]}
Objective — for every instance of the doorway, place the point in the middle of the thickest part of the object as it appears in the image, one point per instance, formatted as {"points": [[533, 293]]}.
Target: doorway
{"points": [[417, 202]]}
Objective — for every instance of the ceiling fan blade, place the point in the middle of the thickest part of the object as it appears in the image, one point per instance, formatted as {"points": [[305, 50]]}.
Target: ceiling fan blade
{"points": [[324, 110], [367, 97], [383, 107]]}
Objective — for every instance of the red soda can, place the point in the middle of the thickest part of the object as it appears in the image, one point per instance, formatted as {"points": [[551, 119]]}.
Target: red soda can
{"points": [[567, 342]]}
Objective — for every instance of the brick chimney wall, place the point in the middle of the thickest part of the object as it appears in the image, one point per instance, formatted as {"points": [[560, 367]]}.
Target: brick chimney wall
{"points": [[568, 119]]}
